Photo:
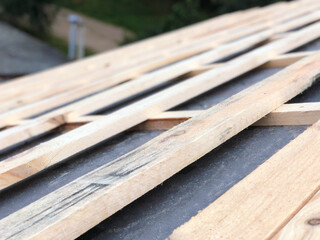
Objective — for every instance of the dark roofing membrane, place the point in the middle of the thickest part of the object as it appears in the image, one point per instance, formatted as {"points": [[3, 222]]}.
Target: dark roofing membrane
{"points": [[156, 214], [22, 54]]}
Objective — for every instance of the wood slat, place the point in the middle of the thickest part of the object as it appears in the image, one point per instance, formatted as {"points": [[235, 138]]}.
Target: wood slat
{"points": [[100, 193], [297, 114], [305, 224], [286, 59], [288, 114], [262, 203], [292, 114]]}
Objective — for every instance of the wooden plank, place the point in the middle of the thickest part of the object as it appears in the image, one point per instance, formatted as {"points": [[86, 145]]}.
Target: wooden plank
{"points": [[68, 144], [163, 121], [286, 59], [305, 224], [258, 206], [111, 96], [297, 114], [292, 114], [279, 36], [100, 193]]}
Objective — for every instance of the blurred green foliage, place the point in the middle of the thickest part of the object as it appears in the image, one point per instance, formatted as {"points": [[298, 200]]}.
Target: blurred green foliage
{"points": [[144, 17], [186, 12], [147, 18], [135, 15], [28, 13]]}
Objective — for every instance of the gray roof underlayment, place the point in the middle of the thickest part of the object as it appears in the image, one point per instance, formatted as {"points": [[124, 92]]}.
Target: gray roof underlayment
{"points": [[22, 54]]}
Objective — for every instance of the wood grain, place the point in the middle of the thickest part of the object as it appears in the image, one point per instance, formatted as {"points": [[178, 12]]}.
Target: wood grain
{"points": [[305, 224], [262, 203]]}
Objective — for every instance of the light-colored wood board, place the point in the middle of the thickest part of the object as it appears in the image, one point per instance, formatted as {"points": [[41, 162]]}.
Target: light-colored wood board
{"points": [[298, 114], [263, 202], [292, 114], [305, 224], [100, 193], [286, 59]]}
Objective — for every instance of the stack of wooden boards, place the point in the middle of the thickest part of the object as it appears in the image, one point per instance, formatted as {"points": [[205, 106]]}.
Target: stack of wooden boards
{"points": [[182, 65]]}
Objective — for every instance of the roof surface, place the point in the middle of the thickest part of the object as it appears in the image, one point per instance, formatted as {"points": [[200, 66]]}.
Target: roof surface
{"points": [[22, 54]]}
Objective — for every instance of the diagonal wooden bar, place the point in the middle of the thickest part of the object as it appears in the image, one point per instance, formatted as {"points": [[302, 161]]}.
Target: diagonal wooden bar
{"points": [[262, 203], [302, 114], [304, 225]]}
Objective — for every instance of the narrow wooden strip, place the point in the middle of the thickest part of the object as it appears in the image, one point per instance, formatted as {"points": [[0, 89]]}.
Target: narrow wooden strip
{"points": [[299, 114], [292, 114], [201, 69], [57, 149], [264, 201], [305, 224], [286, 59], [32, 129], [102, 192], [288, 114], [279, 36]]}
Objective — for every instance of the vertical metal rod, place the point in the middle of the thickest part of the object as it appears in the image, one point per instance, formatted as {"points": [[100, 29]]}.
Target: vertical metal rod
{"points": [[72, 37], [81, 41]]}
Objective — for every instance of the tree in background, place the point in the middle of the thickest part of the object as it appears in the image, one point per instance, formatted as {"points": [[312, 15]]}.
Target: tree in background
{"points": [[30, 14], [186, 12], [145, 18]]}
